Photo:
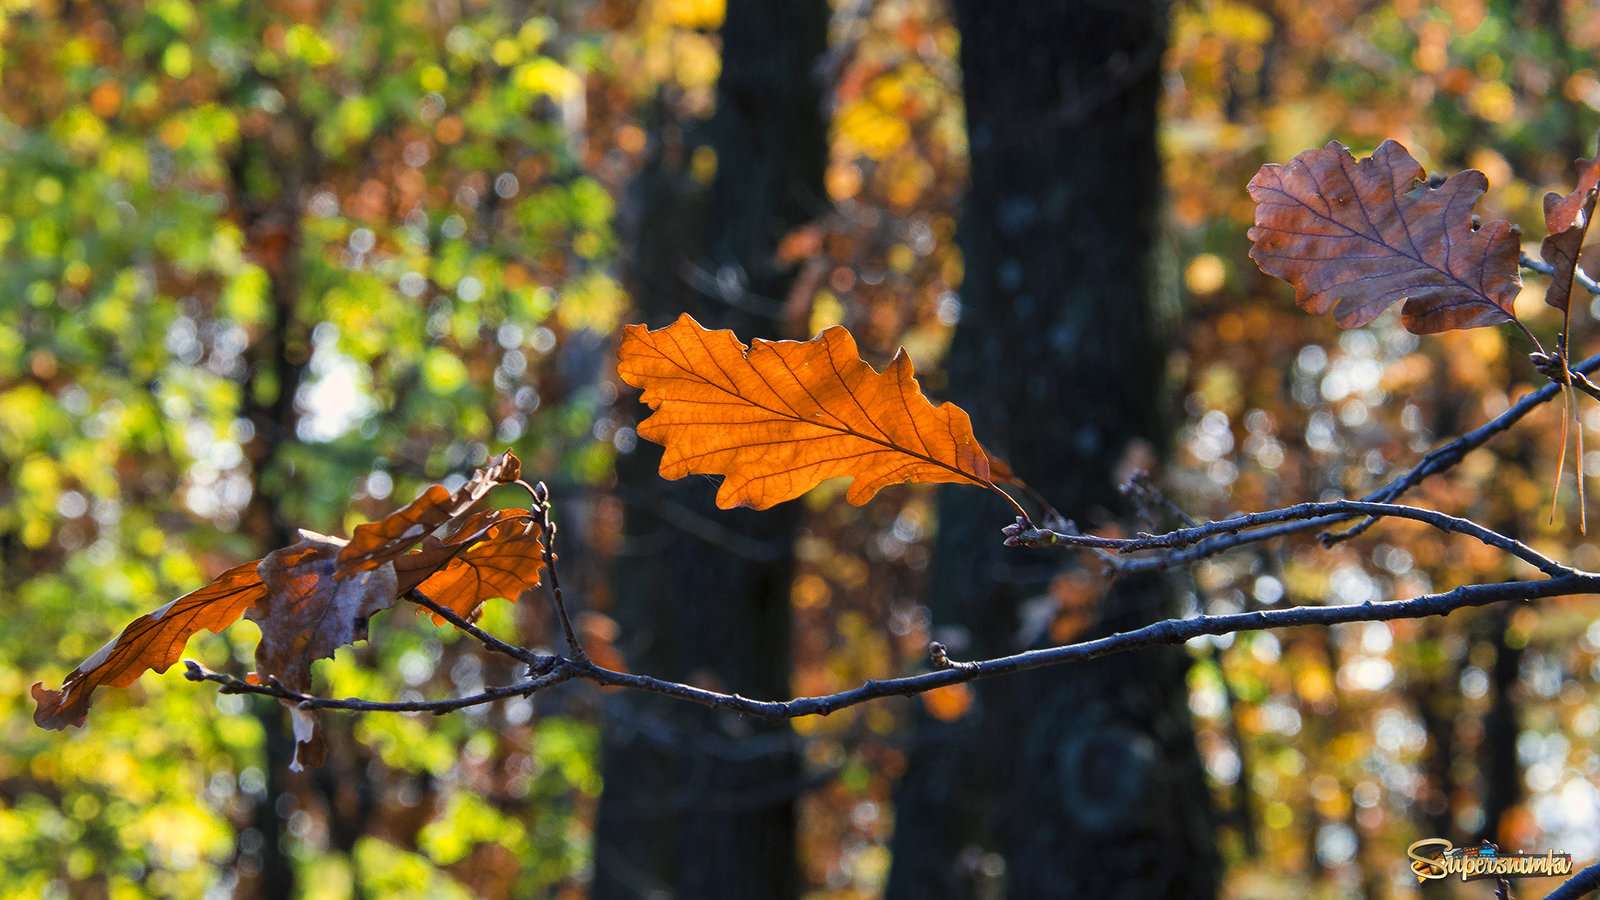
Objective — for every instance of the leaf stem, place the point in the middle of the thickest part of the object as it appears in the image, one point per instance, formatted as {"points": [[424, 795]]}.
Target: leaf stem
{"points": [[1012, 500]]}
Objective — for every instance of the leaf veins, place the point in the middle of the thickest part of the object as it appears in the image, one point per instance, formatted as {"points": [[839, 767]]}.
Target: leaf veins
{"points": [[317, 595], [307, 614], [152, 641], [778, 417], [490, 554], [1355, 237], [376, 543]]}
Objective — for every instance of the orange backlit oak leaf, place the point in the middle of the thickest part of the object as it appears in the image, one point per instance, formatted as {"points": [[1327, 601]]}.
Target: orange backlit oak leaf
{"points": [[153, 641], [1355, 237], [490, 554], [307, 614], [375, 543], [778, 417]]}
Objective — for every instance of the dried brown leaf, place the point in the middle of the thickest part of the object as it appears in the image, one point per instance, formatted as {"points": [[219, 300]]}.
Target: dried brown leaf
{"points": [[1560, 249], [151, 642], [1560, 213], [307, 614], [392, 536], [490, 554], [1355, 237], [1566, 221], [778, 417], [316, 596]]}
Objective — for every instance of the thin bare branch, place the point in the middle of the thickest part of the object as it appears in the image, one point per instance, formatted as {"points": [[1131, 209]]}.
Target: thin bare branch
{"points": [[231, 685], [1248, 528], [1169, 631], [1582, 383], [488, 640], [1438, 460], [1443, 458]]}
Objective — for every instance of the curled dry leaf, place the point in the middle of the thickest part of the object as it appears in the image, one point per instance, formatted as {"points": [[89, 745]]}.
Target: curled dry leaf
{"points": [[1561, 212], [778, 417], [316, 596], [490, 554], [307, 614], [376, 543], [1560, 249], [151, 642], [1567, 220], [1355, 237]]}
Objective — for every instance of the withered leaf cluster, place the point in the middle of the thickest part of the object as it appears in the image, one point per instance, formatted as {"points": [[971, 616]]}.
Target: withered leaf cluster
{"points": [[317, 595]]}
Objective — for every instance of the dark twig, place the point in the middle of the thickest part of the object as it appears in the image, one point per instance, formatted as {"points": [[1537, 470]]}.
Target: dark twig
{"points": [[231, 685], [1246, 529], [488, 640], [541, 500], [1143, 492], [1443, 458], [1438, 460], [1448, 455], [1169, 631], [1550, 366]]}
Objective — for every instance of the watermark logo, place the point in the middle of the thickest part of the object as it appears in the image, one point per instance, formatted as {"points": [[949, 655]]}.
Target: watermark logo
{"points": [[1433, 858]]}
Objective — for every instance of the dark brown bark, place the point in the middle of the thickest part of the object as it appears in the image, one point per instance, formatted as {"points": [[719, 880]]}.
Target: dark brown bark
{"points": [[268, 177], [700, 804], [1078, 782], [1497, 755]]}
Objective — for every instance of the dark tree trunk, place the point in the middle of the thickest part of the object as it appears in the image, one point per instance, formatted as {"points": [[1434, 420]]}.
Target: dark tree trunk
{"points": [[699, 804], [268, 178], [1497, 755], [1084, 781]]}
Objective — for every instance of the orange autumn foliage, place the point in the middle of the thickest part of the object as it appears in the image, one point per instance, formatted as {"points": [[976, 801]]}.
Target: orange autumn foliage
{"points": [[317, 595], [152, 641], [776, 418]]}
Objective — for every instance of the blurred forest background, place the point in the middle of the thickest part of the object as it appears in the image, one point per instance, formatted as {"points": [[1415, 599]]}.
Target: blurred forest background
{"points": [[266, 265]]}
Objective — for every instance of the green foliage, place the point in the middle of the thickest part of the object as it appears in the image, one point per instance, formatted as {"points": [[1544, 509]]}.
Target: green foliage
{"points": [[170, 171], [452, 173]]}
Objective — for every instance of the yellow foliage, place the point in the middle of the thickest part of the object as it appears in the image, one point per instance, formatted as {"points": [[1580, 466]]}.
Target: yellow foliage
{"points": [[868, 128], [544, 76], [705, 15], [696, 60]]}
